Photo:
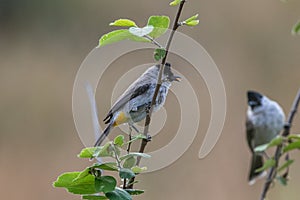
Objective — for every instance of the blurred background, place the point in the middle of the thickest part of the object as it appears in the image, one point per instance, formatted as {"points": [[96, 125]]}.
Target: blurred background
{"points": [[43, 43]]}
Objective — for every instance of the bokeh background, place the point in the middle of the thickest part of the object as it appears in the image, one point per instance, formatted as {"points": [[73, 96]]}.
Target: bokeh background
{"points": [[43, 43]]}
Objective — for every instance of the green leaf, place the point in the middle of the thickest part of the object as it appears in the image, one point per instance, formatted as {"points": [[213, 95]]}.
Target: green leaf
{"points": [[294, 136], [159, 54], [138, 170], [85, 185], [296, 29], [268, 164], [129, 162], [261, 148], [119, 35], [119, 140], [175, 3], [137, 137], [94, 197], [285, 165], [292, 146], [135, 155], [110, 166], [140, 32], [194, 17], [82, 174], [274, 142], [118, 194], [282, 180], [105, 184], [123, 22], [134, 191], [105, 151], [192, 23], [117, 150], [160, 24], [87, 152], [126, 173]]}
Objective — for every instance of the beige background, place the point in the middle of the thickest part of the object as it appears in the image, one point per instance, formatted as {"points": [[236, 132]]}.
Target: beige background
{"points": [[42, 44]]}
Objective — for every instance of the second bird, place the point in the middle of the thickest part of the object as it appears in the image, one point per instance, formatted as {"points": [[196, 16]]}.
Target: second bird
{"points": [[265, 120], [132, 105]]}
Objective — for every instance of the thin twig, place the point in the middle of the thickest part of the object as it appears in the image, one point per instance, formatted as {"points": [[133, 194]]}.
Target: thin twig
{"points": [[130, 138], [153, 41], [124, 184], [158, 84], [286, 174], [128, 150], [286, 131]]}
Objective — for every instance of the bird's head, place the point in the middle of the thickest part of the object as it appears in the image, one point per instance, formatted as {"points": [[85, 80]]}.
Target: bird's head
{"points": [[255, 99], [168, 74]]}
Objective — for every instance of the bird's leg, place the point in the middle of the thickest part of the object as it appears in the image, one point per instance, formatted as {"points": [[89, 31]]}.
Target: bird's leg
{"points": [[265, 155], [133, 127], [148, 107], [149, 138]]}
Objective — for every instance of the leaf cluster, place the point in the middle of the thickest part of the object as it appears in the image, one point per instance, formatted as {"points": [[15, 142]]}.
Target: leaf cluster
{"points": [[91, 182], [288, 144], [156, 26]]}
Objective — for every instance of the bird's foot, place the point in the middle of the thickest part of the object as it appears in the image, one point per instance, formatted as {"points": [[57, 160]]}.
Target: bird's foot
{"points": [[148, 138]]}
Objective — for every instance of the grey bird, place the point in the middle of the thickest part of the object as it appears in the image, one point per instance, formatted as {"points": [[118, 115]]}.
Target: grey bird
{"points": [[265, 120], [132, 105]]}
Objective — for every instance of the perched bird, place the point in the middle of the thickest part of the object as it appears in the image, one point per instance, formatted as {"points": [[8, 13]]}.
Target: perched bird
{"points": [[132, 105], [265, 120]]}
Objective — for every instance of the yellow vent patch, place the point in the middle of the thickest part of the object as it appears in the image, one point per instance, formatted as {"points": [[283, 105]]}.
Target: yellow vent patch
{"points": [[121, 119]]}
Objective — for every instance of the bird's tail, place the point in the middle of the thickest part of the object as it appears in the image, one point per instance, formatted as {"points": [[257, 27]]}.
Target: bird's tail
{"points": [[256, 163], [103, 135]]}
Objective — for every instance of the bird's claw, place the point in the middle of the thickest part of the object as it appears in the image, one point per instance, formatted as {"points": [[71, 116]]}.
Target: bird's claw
{"points": [[149, 138]]}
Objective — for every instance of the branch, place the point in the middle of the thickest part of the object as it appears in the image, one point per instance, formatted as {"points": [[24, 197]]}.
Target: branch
{"points": [[292, 114], [286, 132], [158, 84]]}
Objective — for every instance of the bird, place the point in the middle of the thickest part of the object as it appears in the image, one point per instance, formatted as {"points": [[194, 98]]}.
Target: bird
{"points": [[132, 106], [265, 120]]}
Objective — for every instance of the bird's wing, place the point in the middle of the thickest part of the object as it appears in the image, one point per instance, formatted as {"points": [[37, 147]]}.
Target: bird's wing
{"points": [[133, 91], [250, 131], [138, 87]]}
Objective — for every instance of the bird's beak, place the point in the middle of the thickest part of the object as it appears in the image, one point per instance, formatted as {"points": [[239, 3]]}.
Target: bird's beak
{"points": [[252, 103], [176, 78]]}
